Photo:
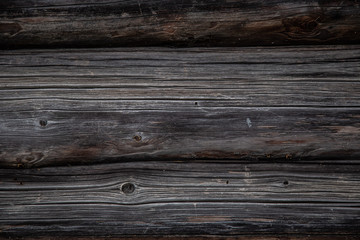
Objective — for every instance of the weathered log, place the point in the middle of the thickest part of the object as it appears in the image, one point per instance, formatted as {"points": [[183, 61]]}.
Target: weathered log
{"points": [[96, 105], [208, 237], [198, 198], [72, 23]]}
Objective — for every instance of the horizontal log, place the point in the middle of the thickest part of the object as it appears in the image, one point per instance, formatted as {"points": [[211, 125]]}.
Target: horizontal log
{"points": [[106, 105], [40, 23], [208, 237], [178, 198]]}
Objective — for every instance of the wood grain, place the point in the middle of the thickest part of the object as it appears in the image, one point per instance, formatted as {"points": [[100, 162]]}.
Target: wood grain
{"points": [[180, 198], [207, 237], [50, 23], [108, 105]]}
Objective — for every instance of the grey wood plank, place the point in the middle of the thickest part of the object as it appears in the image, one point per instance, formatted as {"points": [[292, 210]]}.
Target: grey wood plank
{"points": [[72, 106], [49, 23], [211, 237], [181, 198]]}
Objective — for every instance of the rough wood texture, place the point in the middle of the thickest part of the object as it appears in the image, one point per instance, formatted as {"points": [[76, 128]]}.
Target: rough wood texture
{"points": [[42, 23], [181, 198], [85, 106], [208, 237]]}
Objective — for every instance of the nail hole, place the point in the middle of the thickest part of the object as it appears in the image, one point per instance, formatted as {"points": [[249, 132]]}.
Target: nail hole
{"points": [[21, 183], [196, 103], [43, 123], [137, 138], [286, 182], [227, 182], [128, 188]]}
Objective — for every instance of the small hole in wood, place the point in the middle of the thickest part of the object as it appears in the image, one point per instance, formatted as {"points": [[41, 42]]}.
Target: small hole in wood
{"points": [[128, 188], [196, 103], [21, 183], [137, 138], [286, 182], [227, 182], [43, 123]]}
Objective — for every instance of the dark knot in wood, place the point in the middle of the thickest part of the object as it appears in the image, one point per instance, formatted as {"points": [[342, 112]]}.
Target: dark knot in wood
{"points": [[137, 138], [43, 123], [128, 188]]}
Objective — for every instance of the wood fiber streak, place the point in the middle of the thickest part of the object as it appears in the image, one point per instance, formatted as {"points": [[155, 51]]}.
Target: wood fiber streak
{"points": [[95, 105], [207, 237], [50, 23], [197, 198]]}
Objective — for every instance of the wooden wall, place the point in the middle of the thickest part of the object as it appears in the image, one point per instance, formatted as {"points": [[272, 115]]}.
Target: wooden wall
{"points": [[112, 127], [277, 130]]}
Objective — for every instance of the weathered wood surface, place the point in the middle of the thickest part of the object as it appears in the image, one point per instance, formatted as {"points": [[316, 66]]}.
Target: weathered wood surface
{"points": [[72, 23], [207, 237], [197, 198], [85, 106]]}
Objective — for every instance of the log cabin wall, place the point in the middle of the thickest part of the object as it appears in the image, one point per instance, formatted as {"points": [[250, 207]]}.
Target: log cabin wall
{"points": [[165, 119]]}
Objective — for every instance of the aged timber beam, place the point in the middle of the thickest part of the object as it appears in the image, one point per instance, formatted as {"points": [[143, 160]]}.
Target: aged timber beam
{"points": [[207, 237], [198, 198], [45, 23], [106, 105]]}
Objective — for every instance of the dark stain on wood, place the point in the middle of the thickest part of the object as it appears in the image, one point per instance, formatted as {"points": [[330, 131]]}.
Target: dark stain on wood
{"points": [[300, 24], [177, 23], [9, 29]]}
